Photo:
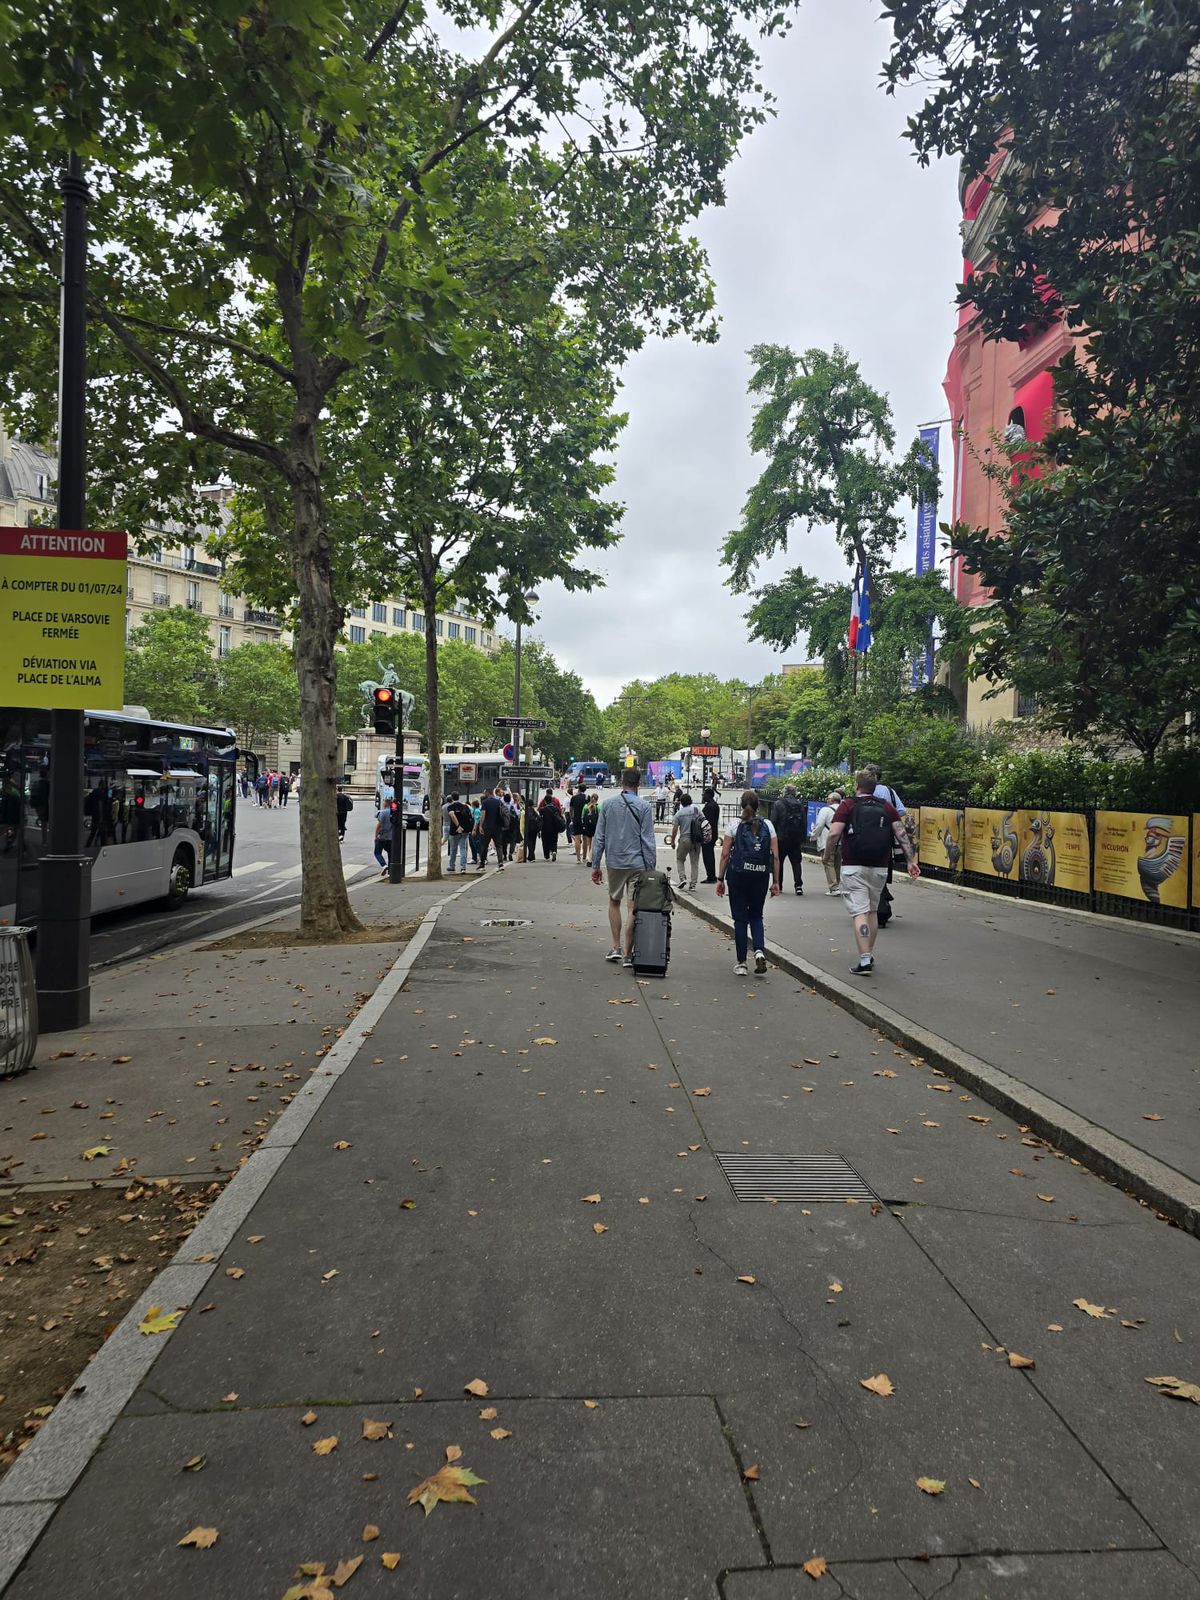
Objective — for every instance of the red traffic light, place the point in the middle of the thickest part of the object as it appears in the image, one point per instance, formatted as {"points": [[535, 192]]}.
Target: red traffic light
{"points": [[383, 697]]}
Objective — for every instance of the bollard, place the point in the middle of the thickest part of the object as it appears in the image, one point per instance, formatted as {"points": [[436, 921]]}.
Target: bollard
{"points": [[18, 1002]]}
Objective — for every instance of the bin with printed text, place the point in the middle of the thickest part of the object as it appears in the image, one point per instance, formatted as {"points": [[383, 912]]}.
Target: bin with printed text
{"points": [[18, 1002]]}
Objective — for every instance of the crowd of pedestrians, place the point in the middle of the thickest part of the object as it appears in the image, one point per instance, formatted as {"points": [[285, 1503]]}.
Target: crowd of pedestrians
{"points": [[271, 789], [513, 827]]}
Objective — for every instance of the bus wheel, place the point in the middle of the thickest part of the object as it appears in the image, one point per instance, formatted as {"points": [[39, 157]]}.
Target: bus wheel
{"points": [[180, 880]]}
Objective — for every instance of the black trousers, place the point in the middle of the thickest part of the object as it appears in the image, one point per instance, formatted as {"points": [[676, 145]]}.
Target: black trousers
{"points": [[794, 854], [885, 899], [709, 853]]}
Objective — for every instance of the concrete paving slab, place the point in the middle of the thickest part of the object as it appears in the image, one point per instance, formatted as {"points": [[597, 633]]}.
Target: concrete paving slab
{"points": [[1079, 1575], [630, 1499]]}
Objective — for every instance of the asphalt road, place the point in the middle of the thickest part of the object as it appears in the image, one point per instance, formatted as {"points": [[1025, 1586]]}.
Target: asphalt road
{"points": [[266, 878]]}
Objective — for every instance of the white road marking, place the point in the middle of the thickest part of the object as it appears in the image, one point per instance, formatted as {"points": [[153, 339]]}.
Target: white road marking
{"points": [[241, 870]]}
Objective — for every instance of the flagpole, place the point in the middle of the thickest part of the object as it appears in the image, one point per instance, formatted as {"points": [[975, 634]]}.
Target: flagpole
{"points": [[854, 680]]}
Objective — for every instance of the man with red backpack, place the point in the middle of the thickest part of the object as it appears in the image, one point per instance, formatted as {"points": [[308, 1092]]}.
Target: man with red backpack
{"points": [[866, 826]]}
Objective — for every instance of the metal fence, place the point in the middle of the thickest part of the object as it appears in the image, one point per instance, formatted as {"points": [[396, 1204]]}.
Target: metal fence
{"points": [[18, 1002]]}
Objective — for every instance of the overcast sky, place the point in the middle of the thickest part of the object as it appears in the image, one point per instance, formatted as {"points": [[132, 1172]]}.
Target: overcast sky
{"points": [[831, 233]]}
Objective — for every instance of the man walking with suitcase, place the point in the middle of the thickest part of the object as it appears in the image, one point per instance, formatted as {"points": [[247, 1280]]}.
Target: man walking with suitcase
{"points": [[625, 836]]}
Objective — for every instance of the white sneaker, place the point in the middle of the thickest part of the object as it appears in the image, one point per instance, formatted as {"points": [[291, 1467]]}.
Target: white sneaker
{"points": [[833, 891], [740, 970], [760, 964], [613, 955]]}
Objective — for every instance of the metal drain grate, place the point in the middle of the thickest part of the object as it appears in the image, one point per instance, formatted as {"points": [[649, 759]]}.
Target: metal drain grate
{"points": [[506, 922], [808, 1180]]}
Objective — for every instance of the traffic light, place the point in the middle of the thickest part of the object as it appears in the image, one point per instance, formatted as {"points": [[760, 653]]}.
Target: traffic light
{"points": [[383, 703]]}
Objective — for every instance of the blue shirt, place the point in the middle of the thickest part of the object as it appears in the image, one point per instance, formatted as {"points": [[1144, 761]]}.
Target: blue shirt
{"points": [[625, 832], [882, 792]]}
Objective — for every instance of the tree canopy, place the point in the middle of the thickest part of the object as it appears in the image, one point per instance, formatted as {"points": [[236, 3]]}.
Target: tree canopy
{"points": [[169, 666]]}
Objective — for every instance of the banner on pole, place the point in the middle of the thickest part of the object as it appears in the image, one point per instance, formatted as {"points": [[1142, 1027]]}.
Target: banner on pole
{"points": [[62, 618], [922, 671]]}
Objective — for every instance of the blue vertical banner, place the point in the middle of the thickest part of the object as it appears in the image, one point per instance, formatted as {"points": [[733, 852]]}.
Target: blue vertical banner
{"points": [[922, 671]]}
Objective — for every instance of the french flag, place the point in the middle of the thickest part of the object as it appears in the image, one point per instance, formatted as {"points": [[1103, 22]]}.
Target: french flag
{"points": [[860, 612]]}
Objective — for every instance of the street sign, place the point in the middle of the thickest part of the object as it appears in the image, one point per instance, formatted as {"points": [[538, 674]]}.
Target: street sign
{"points": [[509, 752], [518, 773], [706, 750], [62, 618], [468, 772], [518, 722]]}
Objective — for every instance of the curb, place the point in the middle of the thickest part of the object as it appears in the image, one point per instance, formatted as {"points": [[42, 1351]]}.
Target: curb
{"points": [[44, 1474], [1149, 1180]]}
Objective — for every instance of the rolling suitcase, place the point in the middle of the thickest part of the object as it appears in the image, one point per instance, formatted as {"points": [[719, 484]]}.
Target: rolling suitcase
{"points": [[652, 923]]}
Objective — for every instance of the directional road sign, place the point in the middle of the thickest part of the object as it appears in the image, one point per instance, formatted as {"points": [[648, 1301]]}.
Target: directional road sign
{"points": [[518, 722], [518, 774]]}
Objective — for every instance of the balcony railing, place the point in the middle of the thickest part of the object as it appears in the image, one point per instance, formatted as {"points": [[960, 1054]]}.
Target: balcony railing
{"points": [[208, 569], [161, 599], [266, 619], [195, 605]]}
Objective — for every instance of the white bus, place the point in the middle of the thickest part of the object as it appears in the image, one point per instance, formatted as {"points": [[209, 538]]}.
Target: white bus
{"points": [[157, 814]]}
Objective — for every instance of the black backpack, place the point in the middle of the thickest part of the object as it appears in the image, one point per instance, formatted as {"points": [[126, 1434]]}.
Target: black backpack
{"points": [[696, 828], [790, 816], [870, 832]]}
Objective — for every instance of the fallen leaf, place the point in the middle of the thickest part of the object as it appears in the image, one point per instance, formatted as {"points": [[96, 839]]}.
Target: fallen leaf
{"points": [[194, 1463], [454, 1452], [1151, 1116], [592, 1199], [835, 1287], [370, 1533], [201, 1538], [309, 1418], [121, 1060], [476, 1387], [96, 1150], [451, 1484], [1090, 1310], [1054, 1327], [801, 1424], [231, 1397], [376, 1430], [592, 1405], [975, 1483], [700, 1093], [157, 1320], [545, 1041], [391, 1559], [931, 1485], [751, 1473], [880, 1384], [489, 1413], [342, 1144], [598, 1227], [1048, 1198], [500, 1433], [884, 1072], [1177, 1389], [332, 1273], [235, 1272], [1014, 1360], [325, 1447], [816, 1567], [345, 1570], [978, 1119], [931, 1124], [746, 1277]]}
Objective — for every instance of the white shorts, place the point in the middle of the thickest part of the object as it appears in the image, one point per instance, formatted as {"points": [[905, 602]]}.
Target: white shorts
{"points": [[862, 887]]}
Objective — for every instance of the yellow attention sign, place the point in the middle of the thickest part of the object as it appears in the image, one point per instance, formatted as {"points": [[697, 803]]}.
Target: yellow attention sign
{"points": [[1142, 856], [62, 618]]}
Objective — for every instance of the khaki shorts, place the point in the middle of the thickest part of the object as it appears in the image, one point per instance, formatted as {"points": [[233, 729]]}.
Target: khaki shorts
{"points": [[862, 887], [619, 879]]}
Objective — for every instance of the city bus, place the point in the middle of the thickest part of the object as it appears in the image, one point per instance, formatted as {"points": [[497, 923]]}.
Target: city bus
{"points": [[414, 788], [157, 813]]}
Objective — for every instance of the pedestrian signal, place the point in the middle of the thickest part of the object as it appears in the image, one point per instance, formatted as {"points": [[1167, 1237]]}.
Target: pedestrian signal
{"points": [[383, 703]]}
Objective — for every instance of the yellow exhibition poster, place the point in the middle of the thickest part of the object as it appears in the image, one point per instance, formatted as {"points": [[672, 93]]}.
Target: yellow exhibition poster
{"points": [[1054, 850], [991, 843], [942, 838], [1142, 856]]}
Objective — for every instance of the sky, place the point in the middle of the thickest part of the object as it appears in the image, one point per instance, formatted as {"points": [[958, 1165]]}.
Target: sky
{"points": [[831, 233]]}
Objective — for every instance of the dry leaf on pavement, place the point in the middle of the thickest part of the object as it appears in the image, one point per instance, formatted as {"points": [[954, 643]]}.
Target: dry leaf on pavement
{"points": [[96, 1150], [501, 1433], [391, 1559], [592, 1405], [545, 1041], [454, 1452], [200, 1538], [324, 1447], [1014, 1360], [345, 1570], [931, 1485], [1151, 1116], [598, 1227], [592, 1199], [477, 1387], [1177, 1388], [309, 1418], [815, 1567], [157, 1320], [370, 1533], [746, 1277], [489, 1413], [452, 1484], [376, 1430], [751, 1473], [1089, 1309], [700, 1093], [880, 1384]]}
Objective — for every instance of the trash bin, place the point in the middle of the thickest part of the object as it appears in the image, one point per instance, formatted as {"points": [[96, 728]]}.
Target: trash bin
{"points": [[18, 1002]]}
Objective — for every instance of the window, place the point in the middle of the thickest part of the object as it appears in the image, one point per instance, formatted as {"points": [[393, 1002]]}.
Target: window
{"points": [[470, 635], [351, 754], [455, 629], [419, 621], [378, 611], [1026, 704], [357, 635], [193, 596], [225, 605], [358, 611], [487, 641], [162, 595], [440, 626], [397, 616], [224, 641], [156, 555], [188, 553]]}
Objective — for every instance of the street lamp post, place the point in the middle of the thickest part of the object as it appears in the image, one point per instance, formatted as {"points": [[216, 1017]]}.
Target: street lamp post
{"points": [[705, 736], [751, 691]]}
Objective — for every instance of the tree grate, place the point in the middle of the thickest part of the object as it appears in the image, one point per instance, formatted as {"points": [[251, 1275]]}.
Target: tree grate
{"points": [[804, 1180], [506, 922]]}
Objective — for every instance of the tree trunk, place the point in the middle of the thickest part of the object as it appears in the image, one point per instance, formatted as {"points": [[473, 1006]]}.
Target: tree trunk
{"points": [[433, 725], [325, 911]]}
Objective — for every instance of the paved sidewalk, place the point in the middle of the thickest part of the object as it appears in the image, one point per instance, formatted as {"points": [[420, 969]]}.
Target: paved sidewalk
{"points": [[514, 1184], [1103, 1018]]}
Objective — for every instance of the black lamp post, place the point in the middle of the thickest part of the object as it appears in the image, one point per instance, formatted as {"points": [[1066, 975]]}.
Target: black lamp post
{"points": [[64, 914]]}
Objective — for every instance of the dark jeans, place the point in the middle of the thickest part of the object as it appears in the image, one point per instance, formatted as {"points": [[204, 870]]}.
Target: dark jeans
{"points": [[793, 853], [489, 840], [747, 896]]}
